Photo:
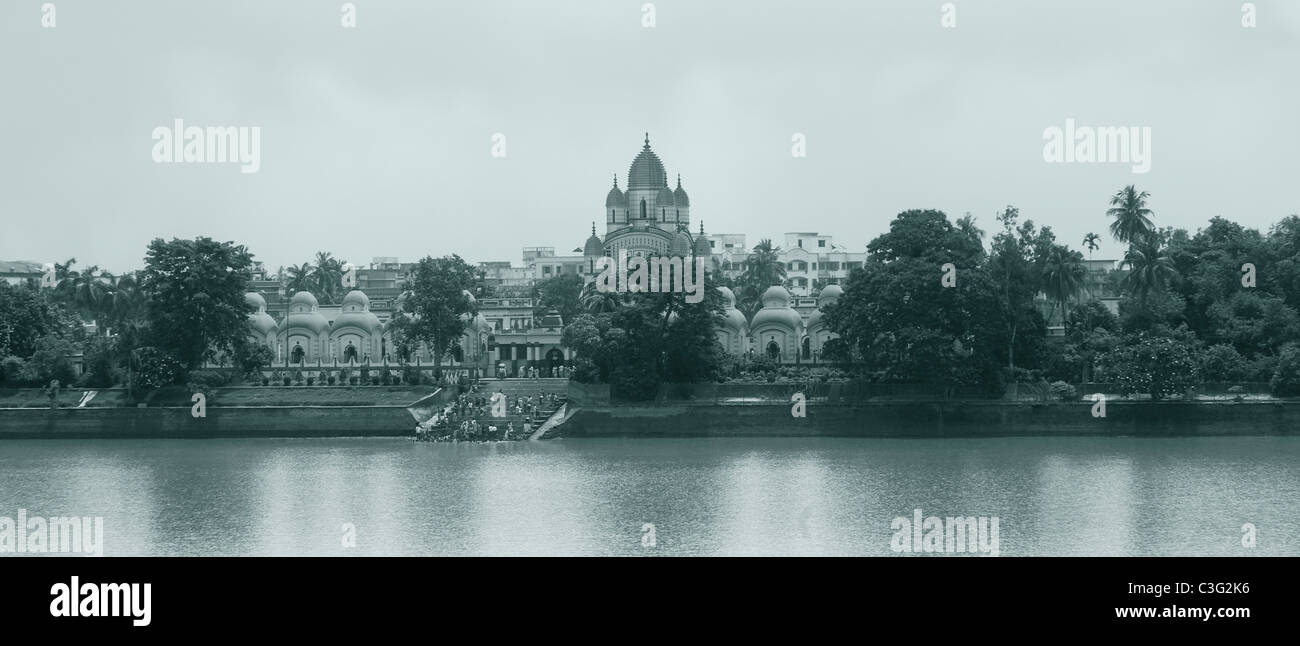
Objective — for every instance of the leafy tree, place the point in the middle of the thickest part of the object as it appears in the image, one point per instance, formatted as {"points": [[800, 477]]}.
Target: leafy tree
{"points": [[1286, 378], [435, 297], [26, 316], [1222, 363], [1252, 323], [1017, 280], [904, 324], [195, 297], [562, 293]]}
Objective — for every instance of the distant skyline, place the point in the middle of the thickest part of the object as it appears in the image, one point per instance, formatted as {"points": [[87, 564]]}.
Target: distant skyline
{"points": [[376, 141]]}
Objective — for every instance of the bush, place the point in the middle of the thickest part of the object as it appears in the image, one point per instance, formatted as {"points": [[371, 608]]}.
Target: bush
{"points": [[297, 377], [374, 380], [385, 378], [332, 379], [11, 371], [1063, 391], [1157, 365], [210, 378], [1223, 363], [1286, 377], [157, 369]]}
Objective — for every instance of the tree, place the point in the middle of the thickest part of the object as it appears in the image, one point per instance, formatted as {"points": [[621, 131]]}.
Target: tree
{"points": [[300, 278], [1011, 264], [1158, 365], [434, 299], [562, 293], [1132, 223], [1090, 242], [1063, 276], [86, 291], [1150, 271], [195, 294], [26, 316], [327, 279], [763, 269], [594, 301], [906, 326]]}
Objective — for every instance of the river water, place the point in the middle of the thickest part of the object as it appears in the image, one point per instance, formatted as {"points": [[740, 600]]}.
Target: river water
{"points": [[734, 496]]}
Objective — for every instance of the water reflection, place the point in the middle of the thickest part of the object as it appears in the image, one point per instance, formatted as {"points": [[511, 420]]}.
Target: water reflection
{"points": [[768, 496]]}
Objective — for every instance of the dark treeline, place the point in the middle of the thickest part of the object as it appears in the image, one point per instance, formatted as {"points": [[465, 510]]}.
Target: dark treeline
{"points": [[1217, 305]]}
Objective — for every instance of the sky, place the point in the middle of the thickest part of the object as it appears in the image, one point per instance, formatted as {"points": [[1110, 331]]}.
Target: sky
{"points": [[377, 140]]}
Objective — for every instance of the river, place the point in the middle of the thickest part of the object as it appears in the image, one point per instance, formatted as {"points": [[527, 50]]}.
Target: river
{"points": [[733, 496]]}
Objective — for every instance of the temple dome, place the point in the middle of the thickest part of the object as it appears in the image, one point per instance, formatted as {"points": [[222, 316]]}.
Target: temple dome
{"points": [[615, 198], [732, 319], [303, 315], [776, 296], [594, 246], [664, 199], [646, 171], [259, 321], [702, 247], [356, 300], [681, 245], [357, 314], [777, 311], [682, 200], [828, 295], [304, 298]]}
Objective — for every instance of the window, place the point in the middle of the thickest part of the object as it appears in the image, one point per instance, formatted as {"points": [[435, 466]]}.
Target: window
{"points": [[711, 245], [814, 266], [546, 270], [801, 243], [835, 266], [854, 264], [821, 243]]}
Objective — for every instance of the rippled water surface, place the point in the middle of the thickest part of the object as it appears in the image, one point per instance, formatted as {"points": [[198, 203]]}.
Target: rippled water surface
{"points": [[741, 496]]}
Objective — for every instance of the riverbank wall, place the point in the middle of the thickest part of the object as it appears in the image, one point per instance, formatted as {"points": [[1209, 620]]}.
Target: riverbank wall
{"points": [[226, 421], [935, 419]]}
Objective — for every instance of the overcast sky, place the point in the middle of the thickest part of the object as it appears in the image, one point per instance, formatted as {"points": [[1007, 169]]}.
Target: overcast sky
{"points": [[376, 141]]}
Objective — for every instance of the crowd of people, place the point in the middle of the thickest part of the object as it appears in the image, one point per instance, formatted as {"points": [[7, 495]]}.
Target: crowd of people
{"points": [[533, 372], [459, 419]]}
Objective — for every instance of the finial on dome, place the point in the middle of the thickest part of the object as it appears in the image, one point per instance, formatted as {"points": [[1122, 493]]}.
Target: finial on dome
{"points": [[701, 227], [593, 227], [679, 180], [647, 141], [615, 180]]}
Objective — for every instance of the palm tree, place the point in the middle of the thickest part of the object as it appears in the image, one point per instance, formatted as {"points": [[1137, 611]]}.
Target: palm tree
{"points": [[1090, 242], [595, 301], [86, 291], [300, 279], [1132, 223], [1063, 276], [328, 276], [1149, 271], [763, 269], [127, 314]]}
